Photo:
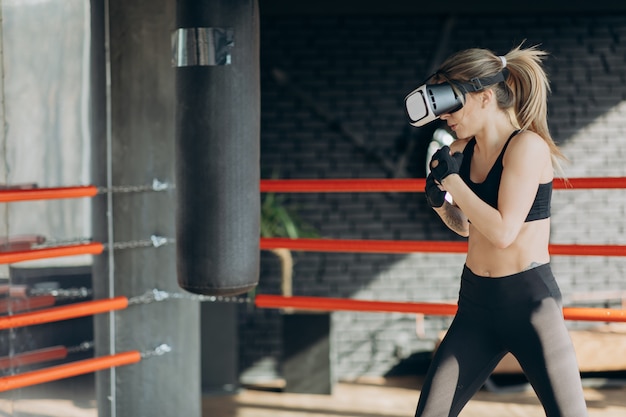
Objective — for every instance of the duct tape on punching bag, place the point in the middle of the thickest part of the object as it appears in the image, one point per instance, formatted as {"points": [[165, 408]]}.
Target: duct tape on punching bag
{"points": [[216, 61]]}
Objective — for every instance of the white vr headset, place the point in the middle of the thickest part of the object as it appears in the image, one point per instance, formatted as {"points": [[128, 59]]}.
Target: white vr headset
{"points": [[429, 101]]}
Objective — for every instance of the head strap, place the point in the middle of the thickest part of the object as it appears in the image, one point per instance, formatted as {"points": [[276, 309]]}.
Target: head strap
{"points": [[478, 84]]}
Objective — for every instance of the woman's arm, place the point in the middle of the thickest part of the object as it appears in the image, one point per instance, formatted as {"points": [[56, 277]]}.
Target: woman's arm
{"points": [[526, 160], [454, 218], [451, 215]]}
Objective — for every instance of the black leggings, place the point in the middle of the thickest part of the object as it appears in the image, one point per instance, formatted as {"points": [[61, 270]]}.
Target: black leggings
{"points": [[521, 314]]}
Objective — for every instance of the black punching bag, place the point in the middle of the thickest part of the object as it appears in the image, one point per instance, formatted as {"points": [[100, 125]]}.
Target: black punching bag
{"points": [[216, 60]]}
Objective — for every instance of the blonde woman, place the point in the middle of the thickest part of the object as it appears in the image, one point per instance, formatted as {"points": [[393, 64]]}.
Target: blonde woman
{"points": [[499, 175]]}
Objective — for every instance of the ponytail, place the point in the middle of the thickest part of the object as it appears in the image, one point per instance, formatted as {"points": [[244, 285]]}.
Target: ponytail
{"points": [[530, 87]]}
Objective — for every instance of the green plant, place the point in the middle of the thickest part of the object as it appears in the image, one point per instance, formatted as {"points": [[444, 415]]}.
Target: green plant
{"points": [[278, 219]]}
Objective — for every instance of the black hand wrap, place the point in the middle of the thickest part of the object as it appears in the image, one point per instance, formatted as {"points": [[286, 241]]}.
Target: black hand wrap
{"points": [[446, 164], [434, 195]]}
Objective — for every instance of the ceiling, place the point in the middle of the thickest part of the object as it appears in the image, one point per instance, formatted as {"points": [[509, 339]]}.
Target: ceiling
{"points": [[335, 7]]}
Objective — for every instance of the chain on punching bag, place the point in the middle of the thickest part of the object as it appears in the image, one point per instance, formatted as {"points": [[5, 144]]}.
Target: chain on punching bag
{"points": [[216, 60]]}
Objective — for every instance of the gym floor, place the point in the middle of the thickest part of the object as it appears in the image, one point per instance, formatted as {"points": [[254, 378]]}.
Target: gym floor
{"points": [[395, 397], [376, 397]]}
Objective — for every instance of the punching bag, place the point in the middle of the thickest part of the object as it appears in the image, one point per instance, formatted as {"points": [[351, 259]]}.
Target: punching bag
{"points": [[216, 63]]}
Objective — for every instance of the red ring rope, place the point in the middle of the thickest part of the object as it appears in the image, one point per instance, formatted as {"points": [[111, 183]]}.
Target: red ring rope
{"points": [[68, 370], [9, 257], [343, 185], [272, 301], [14, 305], [35, 356], [65, 312], [356, 245], [437, 309], [307, 186], [326, 245], [409, 185], [410, 246], [9, 195]]}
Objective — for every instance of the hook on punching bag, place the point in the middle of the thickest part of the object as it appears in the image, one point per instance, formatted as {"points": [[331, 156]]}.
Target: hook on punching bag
{"points": [[216, 60]]}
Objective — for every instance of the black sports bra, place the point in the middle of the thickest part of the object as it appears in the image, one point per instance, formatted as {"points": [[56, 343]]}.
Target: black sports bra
{"points": [[489, 188]]}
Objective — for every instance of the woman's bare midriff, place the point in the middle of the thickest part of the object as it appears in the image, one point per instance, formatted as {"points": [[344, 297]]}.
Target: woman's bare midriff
{"points": [[530, 249]]}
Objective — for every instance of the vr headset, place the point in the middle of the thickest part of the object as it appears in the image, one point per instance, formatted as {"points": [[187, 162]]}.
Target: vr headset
{"points": [[429, 101]]}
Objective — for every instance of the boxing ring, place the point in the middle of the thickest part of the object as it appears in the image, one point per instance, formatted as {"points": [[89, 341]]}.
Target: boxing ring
{"points": [[25, 308]]}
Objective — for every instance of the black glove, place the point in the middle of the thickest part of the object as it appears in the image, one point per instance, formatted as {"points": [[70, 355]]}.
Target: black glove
{"points": [[446, 164], [434, 195]]}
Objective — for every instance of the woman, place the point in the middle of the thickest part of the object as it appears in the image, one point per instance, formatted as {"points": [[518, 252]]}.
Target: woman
{"points": [[499, 174]]}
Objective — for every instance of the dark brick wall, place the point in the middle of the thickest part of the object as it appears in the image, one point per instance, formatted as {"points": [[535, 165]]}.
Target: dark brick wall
{"points": [[340, 115]]}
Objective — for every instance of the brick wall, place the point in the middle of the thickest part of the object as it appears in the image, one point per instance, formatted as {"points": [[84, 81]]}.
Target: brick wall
{"points": [[339, 114]]}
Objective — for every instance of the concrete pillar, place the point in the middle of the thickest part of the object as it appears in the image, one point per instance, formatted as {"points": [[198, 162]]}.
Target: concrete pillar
{"points": [[138, 119]]}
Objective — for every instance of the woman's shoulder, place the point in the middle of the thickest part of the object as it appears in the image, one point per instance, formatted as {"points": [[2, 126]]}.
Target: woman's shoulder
{"points": [[527, 140], [529, 147], [459, 145]]}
